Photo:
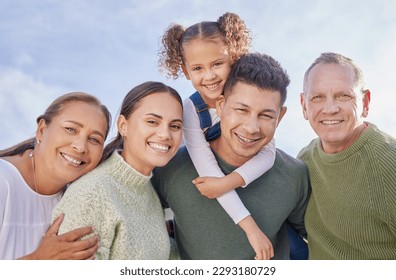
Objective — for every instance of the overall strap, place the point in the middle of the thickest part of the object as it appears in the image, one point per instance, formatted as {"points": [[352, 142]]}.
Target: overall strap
{"points": [[213, 132], [201, 108]]}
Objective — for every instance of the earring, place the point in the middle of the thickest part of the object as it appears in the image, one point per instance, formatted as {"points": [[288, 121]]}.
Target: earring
{"points": [[38, 141]]}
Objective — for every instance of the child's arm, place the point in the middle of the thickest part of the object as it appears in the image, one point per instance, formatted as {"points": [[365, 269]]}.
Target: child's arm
{"points": [[262, 246], [198, 148], [205, 163], [213, 187], [259, 164]]}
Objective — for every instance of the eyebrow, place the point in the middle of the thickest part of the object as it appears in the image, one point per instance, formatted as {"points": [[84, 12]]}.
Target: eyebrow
{"points": [[319, 92], [265, 110], [211, 62], [160, 117], [81, 125]]}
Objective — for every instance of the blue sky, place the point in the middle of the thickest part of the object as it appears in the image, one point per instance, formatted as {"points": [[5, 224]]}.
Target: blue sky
{"points": [[51, 47]]}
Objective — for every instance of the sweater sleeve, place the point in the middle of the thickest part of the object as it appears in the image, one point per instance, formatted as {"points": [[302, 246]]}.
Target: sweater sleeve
{"points": [[296, 217], [259, 164], [205, 162], [383, 176], [84, 205]]}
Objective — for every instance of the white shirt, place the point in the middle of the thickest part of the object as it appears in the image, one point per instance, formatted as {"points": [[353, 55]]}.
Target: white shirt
{"points": [[24, 214], [206, 165]]}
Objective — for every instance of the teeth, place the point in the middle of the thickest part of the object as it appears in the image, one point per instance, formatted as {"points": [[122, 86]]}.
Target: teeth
{"points": [[247, 140], [72, 160], [331, 122], [212, 86], [160, 147]]}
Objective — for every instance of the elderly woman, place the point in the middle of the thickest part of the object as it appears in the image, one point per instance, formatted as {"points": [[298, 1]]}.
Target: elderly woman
{"points": [[68, 143]]}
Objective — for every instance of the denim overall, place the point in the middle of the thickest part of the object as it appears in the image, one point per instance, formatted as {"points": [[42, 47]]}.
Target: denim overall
{"points": [[211, 132]]}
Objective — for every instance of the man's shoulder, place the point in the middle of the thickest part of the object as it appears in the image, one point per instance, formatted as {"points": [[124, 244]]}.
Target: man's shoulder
{"points": [[290, 172], [285, 160], [182, 155], [382, 137], [177, 172], [180, 161], [307, 149]]}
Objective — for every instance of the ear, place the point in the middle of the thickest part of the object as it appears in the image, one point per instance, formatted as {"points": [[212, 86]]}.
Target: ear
{"points": [[219, 105], [122, 125], [281, 115], [303, 105], [185, 72], [40, 129], [366, 103]]}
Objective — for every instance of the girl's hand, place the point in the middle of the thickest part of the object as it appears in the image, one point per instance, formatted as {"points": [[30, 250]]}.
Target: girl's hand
{"points": [[211, 187], [260, 243]]}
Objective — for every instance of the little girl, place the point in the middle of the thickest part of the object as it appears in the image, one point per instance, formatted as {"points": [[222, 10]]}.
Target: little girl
{"points": [[205, 52]]}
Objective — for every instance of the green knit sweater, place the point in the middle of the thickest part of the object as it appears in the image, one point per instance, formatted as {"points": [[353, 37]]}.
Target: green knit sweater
{"points": [[122, 206], [352, 210]]}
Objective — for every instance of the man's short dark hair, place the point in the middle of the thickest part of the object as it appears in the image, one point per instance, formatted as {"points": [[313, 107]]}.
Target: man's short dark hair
{"points": [[259, 70]]}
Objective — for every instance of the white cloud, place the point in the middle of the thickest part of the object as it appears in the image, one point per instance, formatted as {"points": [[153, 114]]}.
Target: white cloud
{"points": [[22, 100], [380, 80]]}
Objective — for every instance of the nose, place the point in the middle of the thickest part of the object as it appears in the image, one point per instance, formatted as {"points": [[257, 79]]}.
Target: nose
{"points": [[210, 74], [163, 132], [252, 125], [330, 107], [80, 144]]}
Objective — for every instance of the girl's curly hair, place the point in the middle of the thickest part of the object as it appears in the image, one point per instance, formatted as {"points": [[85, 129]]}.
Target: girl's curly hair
{"points": [[230, 28]]}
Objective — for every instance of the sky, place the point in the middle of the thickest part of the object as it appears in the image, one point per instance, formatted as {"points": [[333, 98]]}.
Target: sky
{"points": [[52, 47]]}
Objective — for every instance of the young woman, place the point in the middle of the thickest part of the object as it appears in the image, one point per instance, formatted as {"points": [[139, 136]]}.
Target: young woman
{"points": [[117, 197], [68, 143], [205, 52]]}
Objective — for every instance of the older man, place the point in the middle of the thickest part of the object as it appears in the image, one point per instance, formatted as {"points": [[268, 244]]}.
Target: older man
{"points": [[352, 210], [251, 108]]}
